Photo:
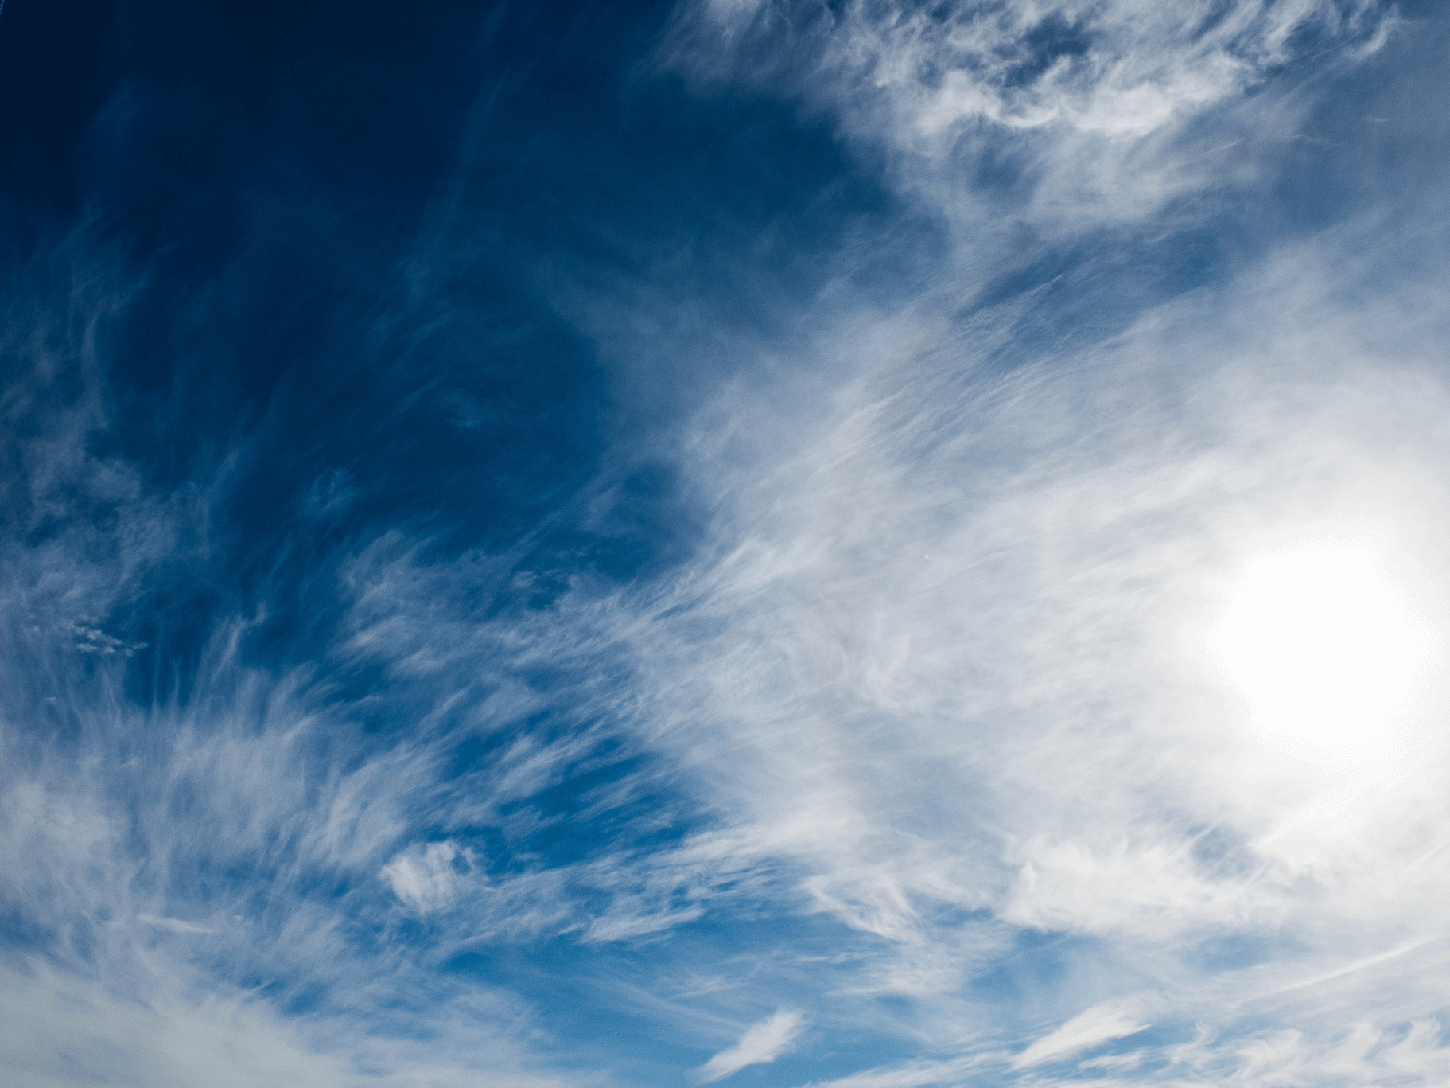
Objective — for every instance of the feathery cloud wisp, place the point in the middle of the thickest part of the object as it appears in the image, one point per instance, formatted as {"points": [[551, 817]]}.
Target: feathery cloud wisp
{"points": [[761, 1043]]}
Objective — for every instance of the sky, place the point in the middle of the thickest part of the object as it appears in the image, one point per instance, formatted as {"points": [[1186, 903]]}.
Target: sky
{"points": [[779, 543]]}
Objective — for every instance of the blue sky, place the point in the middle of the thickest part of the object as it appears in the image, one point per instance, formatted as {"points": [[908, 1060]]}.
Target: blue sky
{"points": [[867, 544]]}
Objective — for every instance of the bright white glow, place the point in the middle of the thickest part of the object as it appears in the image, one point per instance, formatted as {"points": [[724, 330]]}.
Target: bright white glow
{"points": [[1327, 647]]}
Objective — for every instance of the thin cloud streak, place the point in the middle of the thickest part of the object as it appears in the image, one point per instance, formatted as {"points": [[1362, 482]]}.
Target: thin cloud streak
{"points": [[762, 1043]]}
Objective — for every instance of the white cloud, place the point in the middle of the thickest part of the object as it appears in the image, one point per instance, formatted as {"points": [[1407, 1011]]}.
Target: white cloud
{"points": [[761, 1043], [58, 1031], [949, 651], [1091, 100], [915, 1074], [174, 925], [425, 878], [1157, 888], [1091, 1027], [1061, 580], [61, 1032]]}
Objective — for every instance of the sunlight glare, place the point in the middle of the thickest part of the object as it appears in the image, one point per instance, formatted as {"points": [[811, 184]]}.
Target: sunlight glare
{"points": [[1325, 647]]}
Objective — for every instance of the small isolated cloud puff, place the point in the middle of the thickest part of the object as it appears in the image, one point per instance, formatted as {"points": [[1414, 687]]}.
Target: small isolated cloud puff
{"points": [[761, 1043], [1099, 1024], [425, 879], [92, 640]]}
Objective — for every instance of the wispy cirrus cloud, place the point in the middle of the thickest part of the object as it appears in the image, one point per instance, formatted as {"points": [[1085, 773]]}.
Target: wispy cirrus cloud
{"points": [[1089, 1028], [952, 651], [762, 1043], [1082, 114]]}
